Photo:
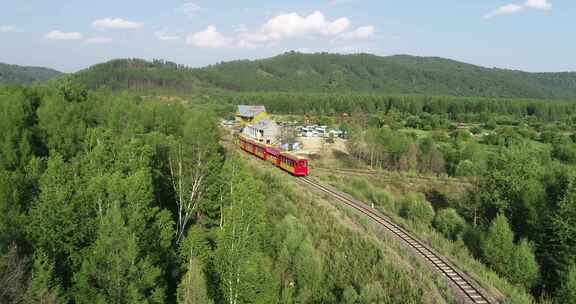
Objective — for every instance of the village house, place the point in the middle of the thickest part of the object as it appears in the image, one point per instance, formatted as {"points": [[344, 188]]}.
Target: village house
{"points": [[250, 115], [265, 131]]}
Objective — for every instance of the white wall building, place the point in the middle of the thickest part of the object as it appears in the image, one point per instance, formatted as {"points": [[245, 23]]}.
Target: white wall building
{"points": [[266, 131]]}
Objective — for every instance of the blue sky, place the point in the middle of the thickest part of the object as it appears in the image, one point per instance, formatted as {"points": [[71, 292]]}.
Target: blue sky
{"points": [[532, 35]]}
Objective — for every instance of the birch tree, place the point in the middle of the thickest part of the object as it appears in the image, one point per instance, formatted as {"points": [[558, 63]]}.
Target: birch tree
{"points": [[240, 261], [193, 158]]}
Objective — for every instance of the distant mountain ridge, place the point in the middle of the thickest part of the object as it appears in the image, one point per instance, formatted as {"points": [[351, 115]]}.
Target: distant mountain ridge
{"points": [[139, 74], [323, 72], [400, 74], [16, 74]]}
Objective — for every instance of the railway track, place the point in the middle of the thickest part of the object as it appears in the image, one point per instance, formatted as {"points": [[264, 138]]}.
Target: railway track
{"points": [[459, 281]]}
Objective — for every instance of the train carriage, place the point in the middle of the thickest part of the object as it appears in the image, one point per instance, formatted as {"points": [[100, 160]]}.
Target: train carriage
{"points": [[296, 165], [273, 155]]}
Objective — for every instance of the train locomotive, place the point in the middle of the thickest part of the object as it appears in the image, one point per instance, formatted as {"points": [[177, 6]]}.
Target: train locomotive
{"points": [[294, 164]]}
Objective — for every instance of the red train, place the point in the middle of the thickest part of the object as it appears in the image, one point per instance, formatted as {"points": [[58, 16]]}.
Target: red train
{"points": [[296, 165]]}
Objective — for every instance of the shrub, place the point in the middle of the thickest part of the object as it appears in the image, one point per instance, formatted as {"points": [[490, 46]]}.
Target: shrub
{"points": [[415, 207], [476, 130], [382, 199], [449, 223], [360, 185], [466, 168], [565, 153]]}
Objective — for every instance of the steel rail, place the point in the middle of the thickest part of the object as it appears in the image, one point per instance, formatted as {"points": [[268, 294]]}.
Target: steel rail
{"points": [[462, 283]]}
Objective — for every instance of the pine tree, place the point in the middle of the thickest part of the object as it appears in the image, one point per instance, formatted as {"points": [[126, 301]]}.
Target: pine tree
{"points": [[43, 286], [193, 287], [566, 294], [523, 268], [16, 128], [564, 223], [114, 270], [498, 245]]}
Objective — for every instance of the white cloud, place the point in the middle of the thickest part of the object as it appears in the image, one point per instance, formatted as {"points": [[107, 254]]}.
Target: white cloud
{"points": [[116, 23], [538, 4], [98, 40], [512, 8], [363, 32], [209, 38], [164, 36], [189, 9], [507, 9], [59, 35], [293, 25], [279, 28], [7, 28]]}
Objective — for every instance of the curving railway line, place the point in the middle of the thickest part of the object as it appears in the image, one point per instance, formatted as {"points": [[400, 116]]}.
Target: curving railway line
{"points": [[469, 289]]}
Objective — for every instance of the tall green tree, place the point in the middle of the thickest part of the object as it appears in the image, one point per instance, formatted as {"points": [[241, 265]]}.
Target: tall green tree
{"points": [[566, 294], [114, 269], [44, 287], [498, 244], [58, 223], [17, 127], [523, 269], [63, 123], [243, 268], [193, 287], [564, 229], [13, 207], [194, 158]]}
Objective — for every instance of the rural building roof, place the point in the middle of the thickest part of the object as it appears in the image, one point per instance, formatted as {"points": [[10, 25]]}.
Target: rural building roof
{"points": [[250, 111], [264, 123]]}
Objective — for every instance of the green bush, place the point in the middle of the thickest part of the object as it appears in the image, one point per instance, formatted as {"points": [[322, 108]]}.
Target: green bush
{"points": [[383, 199], [466, 168], [414, 206], [449, 223], [476, 130], [565, 153], [361, 187]]}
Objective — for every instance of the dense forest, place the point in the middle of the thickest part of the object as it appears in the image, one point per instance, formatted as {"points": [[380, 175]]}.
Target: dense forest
{"points": [[137, 74], [111, 198], [518, 216], [14, 74], [297, 72], [401, 74]]}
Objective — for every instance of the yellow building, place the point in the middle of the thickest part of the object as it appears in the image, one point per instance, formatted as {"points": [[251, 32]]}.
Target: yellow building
{"points": [[250, 115]]}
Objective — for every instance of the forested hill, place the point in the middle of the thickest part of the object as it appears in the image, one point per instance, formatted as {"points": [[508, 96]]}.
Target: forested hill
{"points": [[139, 74], [15, 74], [324, 72], [395, 74]]}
